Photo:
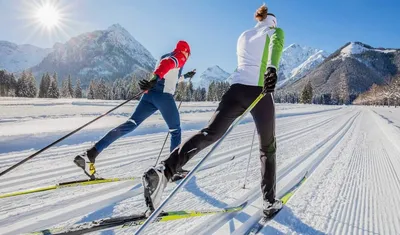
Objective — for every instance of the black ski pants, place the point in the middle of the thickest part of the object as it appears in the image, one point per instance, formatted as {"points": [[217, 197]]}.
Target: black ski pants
{"points": [[234, 102]]}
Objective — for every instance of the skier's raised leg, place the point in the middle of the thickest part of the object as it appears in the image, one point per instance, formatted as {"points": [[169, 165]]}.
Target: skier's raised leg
{"points": [[87, 159]]}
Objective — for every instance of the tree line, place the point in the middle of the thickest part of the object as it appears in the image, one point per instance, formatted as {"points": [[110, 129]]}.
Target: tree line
{"points": [[386, 94], [120, 89], [25, 86], [308, 96]]}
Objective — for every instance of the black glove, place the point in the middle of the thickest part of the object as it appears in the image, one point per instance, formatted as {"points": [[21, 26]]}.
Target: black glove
{"points": [[189, 74], [146, 85], [270, 79]]}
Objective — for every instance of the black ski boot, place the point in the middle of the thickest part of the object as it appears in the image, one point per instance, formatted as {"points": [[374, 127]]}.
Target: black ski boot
{"points": [[86, 161], [179, 175], [270, 209]]}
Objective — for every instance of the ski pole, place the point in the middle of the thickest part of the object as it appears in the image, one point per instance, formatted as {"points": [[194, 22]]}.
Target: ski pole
{"points": [[248, 163], [166, 137], [69, 134], [196, 167], [165, 141]]}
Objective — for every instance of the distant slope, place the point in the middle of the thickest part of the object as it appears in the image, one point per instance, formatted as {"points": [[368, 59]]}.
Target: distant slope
{"points": [[112, 53], [15, 58], [351, 70], [214, 73]]}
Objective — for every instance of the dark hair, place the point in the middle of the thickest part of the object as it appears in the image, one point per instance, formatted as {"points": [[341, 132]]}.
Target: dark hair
{"points": [[261, 13]]}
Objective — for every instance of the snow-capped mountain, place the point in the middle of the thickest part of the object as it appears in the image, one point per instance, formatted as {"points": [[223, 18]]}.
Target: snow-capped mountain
{"points": [[214, 73], [110, 54], [351, 70], [297, 61], [15, 58]]}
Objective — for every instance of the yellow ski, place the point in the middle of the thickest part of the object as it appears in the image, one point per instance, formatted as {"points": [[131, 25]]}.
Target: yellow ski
{"points": [[66, 185]]}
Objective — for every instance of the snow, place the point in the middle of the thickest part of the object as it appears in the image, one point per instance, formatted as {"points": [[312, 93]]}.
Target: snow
{"points": [[355, 48], [113, 51], [303, 69], [297, 61], [15, 58], [351, 154]]}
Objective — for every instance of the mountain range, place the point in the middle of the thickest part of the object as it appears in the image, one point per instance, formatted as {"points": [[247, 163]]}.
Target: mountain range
{"points": [[114, 53], [213, 73], [15, 58], [297, 61], [109, 54], [350, 70]]}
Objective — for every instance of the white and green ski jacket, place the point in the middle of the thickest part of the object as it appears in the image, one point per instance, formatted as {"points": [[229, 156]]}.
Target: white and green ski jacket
{"points": [[257, 49]]}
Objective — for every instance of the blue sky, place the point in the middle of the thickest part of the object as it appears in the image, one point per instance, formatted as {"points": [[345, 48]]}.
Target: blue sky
{"points": [[212, 26]]}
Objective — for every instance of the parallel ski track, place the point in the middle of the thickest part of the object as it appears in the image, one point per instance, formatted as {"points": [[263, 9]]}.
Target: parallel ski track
{"points": [[226, 156], [238, 152], [116, 159], [370, 188], [154, 138], [211, 225], [5, 158]]}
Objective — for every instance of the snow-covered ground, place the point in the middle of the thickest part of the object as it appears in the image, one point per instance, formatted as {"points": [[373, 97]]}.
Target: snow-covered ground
{"points": [[352, 155]]}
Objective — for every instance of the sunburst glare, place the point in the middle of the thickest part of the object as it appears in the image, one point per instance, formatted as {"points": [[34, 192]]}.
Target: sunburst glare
{"points": [[49, 18], [48, 15]]}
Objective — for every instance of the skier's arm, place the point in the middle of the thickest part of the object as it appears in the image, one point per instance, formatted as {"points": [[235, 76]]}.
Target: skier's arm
{"points": [[168, 63], [275, 48], [181, 77]]}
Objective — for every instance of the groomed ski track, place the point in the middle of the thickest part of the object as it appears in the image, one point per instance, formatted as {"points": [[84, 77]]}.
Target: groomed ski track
{"points": [[352, 187]]}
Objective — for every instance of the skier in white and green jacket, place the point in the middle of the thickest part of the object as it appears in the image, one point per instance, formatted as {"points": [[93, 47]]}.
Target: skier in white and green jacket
{"points": [[259, 50]]}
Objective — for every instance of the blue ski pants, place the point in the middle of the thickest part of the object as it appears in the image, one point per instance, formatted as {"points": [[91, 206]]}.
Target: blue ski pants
{"points": [[148, 104]]}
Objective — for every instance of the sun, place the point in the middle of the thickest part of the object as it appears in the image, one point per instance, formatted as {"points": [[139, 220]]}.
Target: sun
{"points": [[48, 16]]}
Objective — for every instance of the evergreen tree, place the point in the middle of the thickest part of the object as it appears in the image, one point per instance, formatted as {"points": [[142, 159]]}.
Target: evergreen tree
{"points": [[102, 91], [196, 94], [199, 94], [31, 85], [118, 90], [91, 91], [78, 89], [188, 91], [44, 86], [134, 88], [180, 91], [22, 87], [307, 93], [12, 85], [203, 94], [220, 90], [53, 91], [211, 91], [26, 85], [343, 90], [70, 86], [8, 84], [4, 87], [65, 92], [335, 98]]}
